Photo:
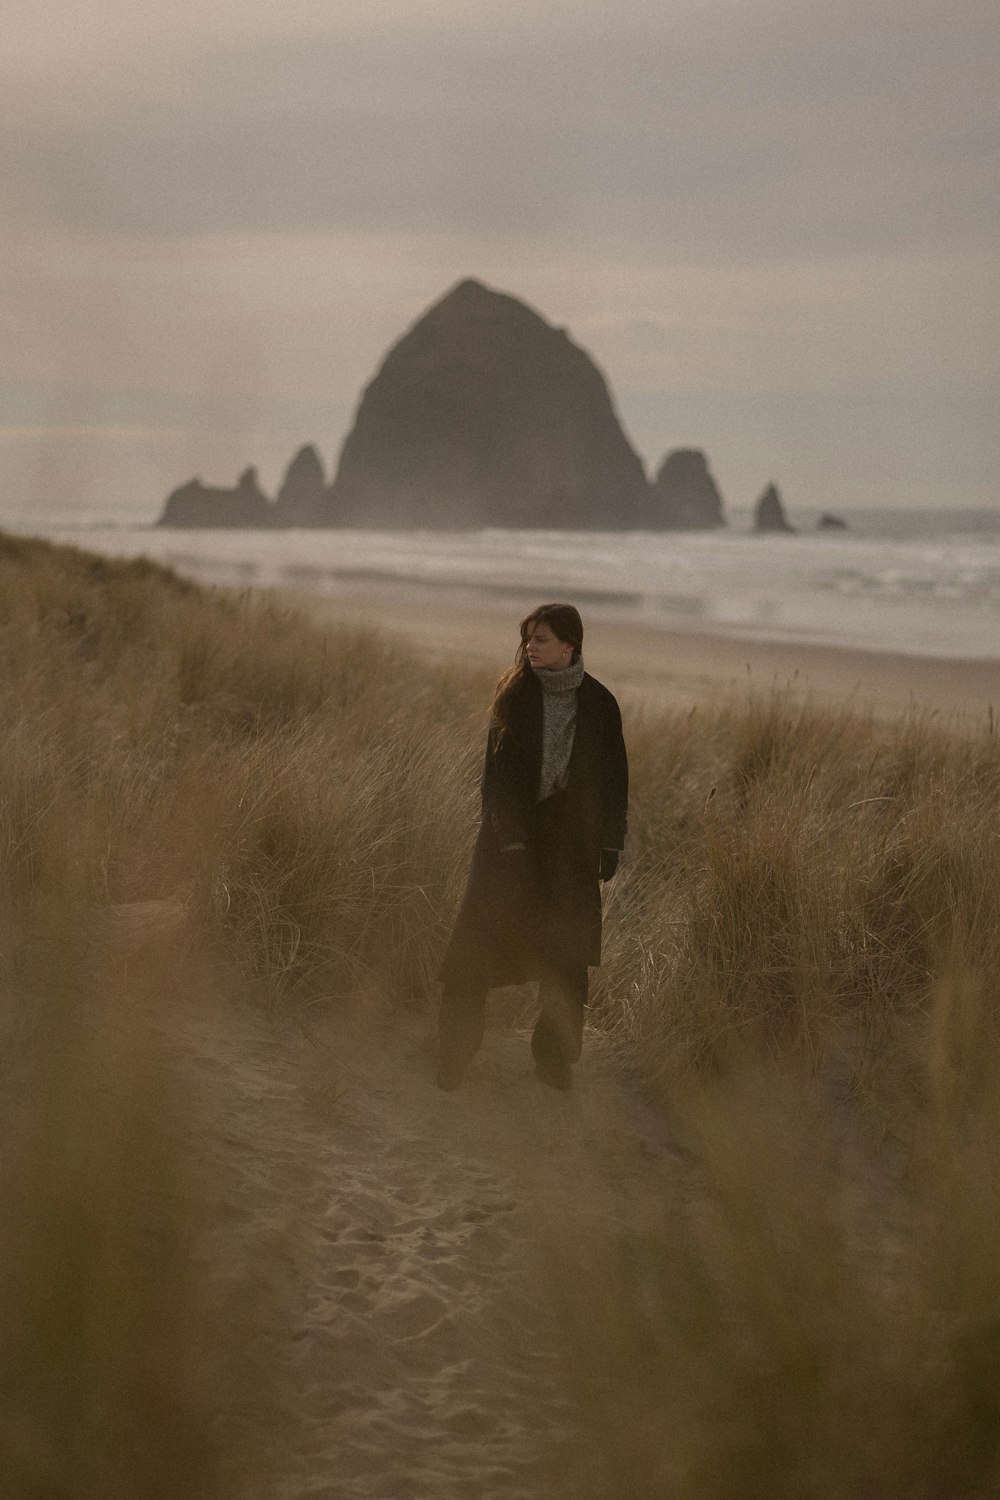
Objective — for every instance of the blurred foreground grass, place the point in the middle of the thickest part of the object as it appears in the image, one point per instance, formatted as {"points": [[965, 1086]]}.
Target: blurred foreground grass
{"points": [[204, 802]]}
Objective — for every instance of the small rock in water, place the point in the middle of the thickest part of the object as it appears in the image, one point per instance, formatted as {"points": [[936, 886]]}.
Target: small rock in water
{"points": [[686, 495], [769, 512]]}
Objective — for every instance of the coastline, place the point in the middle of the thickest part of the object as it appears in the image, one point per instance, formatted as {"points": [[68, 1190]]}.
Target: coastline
{"points": [[884, 623], [666, 662]]}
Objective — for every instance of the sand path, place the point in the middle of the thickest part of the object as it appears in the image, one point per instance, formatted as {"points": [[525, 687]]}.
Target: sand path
{"points": [[412, 1239]]}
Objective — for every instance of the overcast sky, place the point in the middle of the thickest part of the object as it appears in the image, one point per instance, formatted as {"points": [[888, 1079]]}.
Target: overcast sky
{"points": [[774, 224]]}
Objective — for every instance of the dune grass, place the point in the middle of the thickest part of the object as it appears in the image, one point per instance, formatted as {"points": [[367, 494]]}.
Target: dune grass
{"points": [[164, 744], [806, 1318], [204, 801], [797, 881]]}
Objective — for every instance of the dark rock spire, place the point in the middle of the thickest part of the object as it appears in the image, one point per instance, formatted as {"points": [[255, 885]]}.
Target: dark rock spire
{"points": [[483, 414]]}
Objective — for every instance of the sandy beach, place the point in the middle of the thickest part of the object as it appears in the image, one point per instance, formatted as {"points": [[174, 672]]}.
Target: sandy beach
{"points": [[662, 662]]}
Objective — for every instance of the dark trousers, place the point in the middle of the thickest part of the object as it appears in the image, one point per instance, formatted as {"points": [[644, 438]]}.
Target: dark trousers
{"points": [[557, 1039]]}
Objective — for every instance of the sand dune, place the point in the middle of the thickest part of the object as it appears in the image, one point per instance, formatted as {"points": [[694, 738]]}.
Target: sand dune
{"points": [[379, 1261], [420, 1236]]}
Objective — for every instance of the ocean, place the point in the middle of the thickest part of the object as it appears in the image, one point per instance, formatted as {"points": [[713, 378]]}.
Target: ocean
{"points": [[918, 582]]}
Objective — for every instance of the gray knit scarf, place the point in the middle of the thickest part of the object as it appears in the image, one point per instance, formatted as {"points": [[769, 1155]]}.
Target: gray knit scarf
{"points": [[559, 698]]}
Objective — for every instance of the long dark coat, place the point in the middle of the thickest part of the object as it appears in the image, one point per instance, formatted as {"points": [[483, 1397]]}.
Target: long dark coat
{"points": [[525, 914]]}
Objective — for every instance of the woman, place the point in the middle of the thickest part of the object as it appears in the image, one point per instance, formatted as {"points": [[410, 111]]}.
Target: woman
{"points": [[554, 794]]}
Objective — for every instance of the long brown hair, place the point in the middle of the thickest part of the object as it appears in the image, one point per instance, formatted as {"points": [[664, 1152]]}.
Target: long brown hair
{"points": [[565, 623]]}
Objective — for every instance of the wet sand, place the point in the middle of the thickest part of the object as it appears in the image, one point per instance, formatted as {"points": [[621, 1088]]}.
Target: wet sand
{"points": [[663, 663]]}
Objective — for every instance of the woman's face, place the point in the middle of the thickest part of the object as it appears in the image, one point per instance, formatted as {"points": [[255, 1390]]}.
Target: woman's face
{"points": [[544, 649]]}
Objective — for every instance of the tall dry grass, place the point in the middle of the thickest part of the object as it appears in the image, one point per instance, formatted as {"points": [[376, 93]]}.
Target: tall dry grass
{"points": [[203, 804], [286, 789], [801, 967], [111, 1377], [805, 1318], [797, 880]]}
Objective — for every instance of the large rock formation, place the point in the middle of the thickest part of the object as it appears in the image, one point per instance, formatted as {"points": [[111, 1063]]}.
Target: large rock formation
{"points": [[829, 522], [685, 496], [769, 514], [196, 504], [485, 415], [301, 501]]}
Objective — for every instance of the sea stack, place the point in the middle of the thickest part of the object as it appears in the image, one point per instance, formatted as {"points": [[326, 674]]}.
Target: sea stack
{"points": [[483, 414], [685, 496], [197, 504], [301, 501], [769, 513]]}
